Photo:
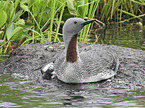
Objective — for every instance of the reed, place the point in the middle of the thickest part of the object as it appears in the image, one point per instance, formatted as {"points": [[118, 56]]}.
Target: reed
{"points": [[85, 32], [119, 10]]}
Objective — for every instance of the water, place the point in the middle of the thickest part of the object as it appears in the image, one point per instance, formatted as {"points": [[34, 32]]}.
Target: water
{"points": [[125, 35], [23, 92], [17, 90]]}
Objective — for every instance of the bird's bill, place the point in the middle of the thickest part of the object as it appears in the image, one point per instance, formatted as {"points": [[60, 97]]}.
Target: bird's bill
{"points": [[88, 22]]}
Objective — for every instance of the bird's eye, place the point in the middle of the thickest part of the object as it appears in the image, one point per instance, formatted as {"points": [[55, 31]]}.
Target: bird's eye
{"points": [[75, 22]]}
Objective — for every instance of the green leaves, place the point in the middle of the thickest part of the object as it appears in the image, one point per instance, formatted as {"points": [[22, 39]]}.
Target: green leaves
{"points": [[43, 18], [24, 7], [9, 30], [8, 7], [3, 17], [20, 22], [70, 6], [16, 34], [15, 31], [78, 7], [82, 7]]}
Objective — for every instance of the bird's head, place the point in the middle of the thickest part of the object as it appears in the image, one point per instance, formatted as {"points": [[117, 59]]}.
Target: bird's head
{"points": [[74, 25]]}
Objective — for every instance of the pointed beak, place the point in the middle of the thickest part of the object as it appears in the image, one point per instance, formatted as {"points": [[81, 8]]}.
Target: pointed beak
{"points": [[88, 22]]}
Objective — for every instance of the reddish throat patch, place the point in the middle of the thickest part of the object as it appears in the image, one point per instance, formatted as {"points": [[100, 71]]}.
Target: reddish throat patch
{"points": [[71, 55]]}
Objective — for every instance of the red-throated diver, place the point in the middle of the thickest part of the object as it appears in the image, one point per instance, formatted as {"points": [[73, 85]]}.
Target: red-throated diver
{"points": [[92, 64]]}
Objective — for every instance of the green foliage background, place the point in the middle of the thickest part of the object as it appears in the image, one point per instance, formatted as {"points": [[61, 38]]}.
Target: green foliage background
{"points": [[32, 21]]}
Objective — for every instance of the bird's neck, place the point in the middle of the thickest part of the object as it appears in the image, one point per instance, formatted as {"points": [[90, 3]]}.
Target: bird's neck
{"points": [[72, 50]]}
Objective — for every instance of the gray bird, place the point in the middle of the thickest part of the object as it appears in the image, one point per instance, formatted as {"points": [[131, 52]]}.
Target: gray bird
{"points": [[93, 63]]}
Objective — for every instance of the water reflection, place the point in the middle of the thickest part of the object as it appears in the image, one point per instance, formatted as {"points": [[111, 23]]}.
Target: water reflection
{"points": [[53, 93], [125, 34]]}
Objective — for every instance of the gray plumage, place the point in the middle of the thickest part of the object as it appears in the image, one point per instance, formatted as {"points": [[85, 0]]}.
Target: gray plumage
{"points": [[94, 62]]}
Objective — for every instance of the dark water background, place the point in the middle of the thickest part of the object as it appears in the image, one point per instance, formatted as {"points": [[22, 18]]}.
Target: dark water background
{"points": [[17, 90], [131, 35]]}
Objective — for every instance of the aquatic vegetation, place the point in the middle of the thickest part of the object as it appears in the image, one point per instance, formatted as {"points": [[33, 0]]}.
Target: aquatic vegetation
{"points": [[33, 21]]}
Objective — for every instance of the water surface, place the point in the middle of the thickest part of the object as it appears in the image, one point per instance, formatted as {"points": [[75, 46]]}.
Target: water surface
{"points": [[126, 35], [23, 92]]}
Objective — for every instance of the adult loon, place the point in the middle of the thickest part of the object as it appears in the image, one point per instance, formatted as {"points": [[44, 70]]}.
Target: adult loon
{"points": [[91, 64]]}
